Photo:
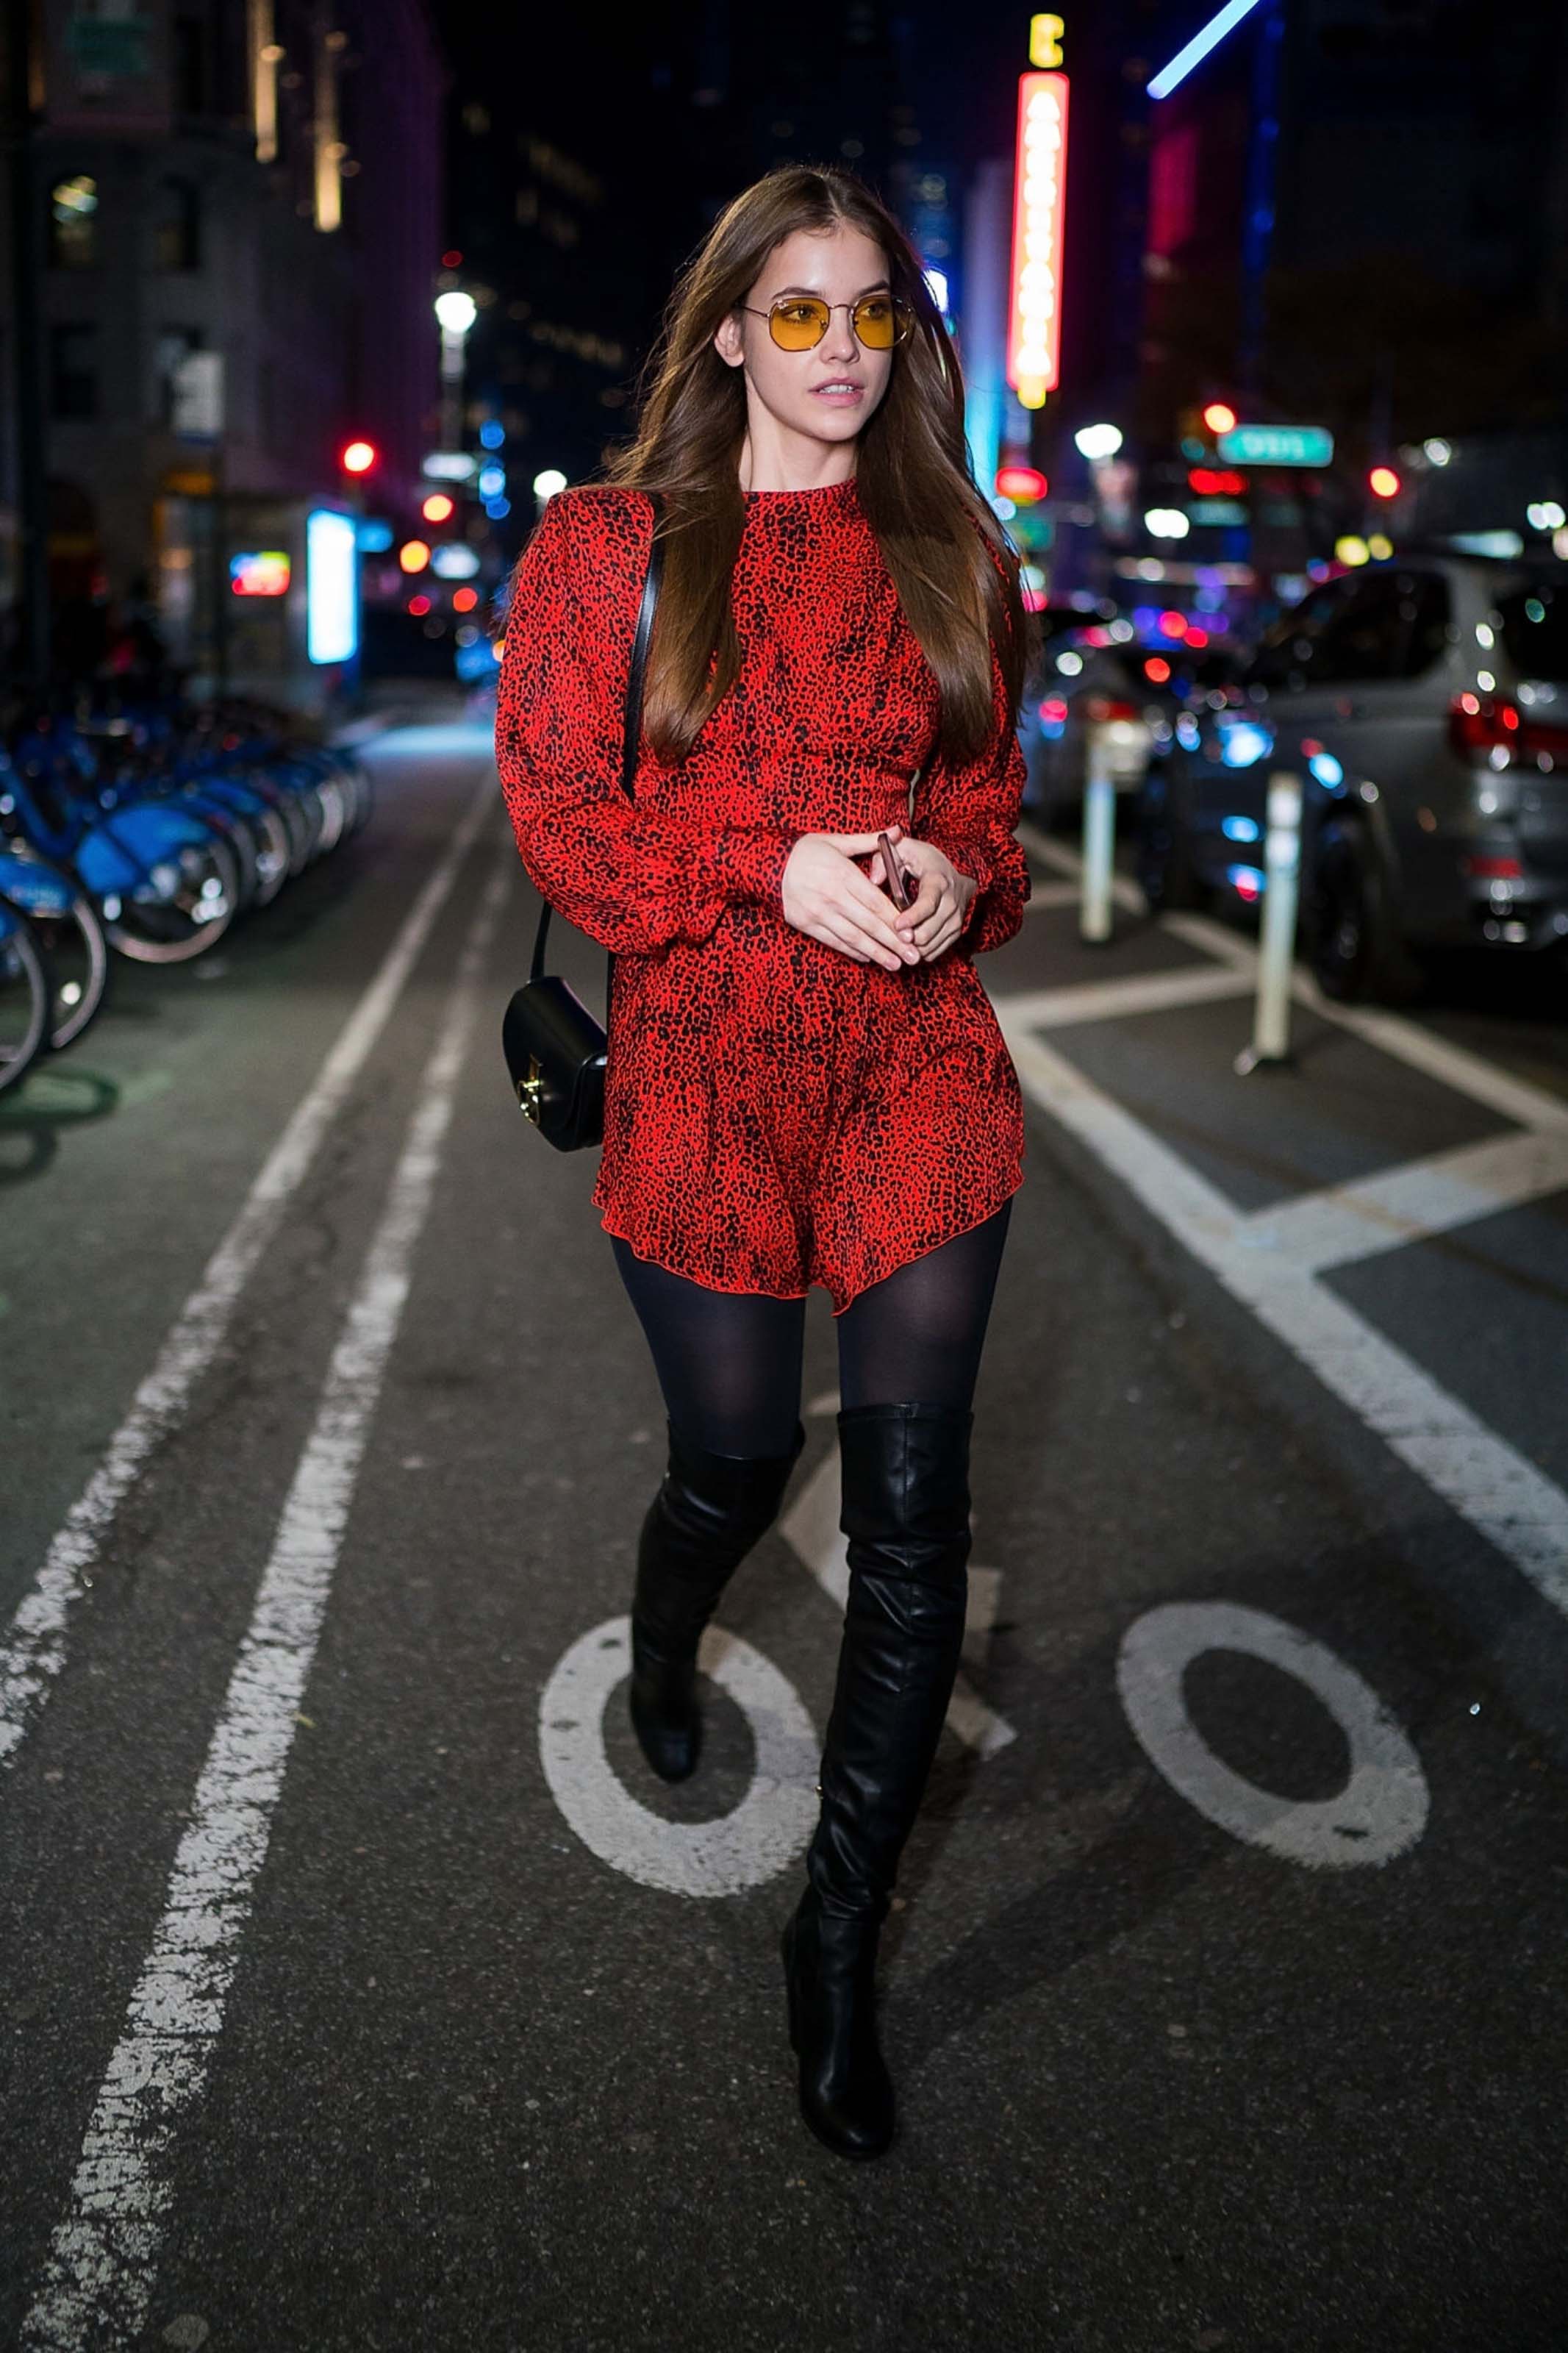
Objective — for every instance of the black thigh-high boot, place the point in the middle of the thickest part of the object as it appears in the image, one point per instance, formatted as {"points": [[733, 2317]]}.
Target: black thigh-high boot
{"points": [[709, 1510], [906, 1514]]}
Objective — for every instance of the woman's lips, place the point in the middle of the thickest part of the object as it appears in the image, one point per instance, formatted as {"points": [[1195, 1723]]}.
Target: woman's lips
{"points": [[838, 396]]}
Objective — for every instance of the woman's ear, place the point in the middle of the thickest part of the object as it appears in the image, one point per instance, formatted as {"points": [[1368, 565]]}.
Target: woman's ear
{"points": [[729, 340]]}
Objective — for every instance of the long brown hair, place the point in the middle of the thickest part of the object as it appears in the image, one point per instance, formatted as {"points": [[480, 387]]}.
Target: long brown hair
{"points": [[953, 567]]}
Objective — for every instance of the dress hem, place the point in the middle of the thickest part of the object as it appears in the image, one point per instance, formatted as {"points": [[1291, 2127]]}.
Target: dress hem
{"points": [[754, 1291]]}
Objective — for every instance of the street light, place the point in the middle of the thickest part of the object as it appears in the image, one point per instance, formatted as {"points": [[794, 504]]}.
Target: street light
{"points": [[455, 313], [455, 310]]}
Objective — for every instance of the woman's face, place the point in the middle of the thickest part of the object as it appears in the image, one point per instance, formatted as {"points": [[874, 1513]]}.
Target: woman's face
{"points": [[829, 392]]}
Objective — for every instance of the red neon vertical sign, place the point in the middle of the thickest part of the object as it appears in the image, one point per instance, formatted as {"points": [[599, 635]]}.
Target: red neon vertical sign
{"points": [[1039, 192]]}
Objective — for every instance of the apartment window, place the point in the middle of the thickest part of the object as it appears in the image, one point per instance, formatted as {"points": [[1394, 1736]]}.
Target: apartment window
{"points": [[174, 345], [177, 227], [73, 222], [73, 371]]}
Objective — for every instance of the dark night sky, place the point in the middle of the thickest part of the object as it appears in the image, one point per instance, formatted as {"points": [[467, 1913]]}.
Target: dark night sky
{"points": [[555, 68]]}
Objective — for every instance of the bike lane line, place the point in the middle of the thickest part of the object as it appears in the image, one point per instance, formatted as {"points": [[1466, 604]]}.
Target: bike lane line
{"points": [[34, 1650], [101, 2268]]}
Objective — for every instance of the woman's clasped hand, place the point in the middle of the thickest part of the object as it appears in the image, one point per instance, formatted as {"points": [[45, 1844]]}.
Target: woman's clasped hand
{"points": [[826, 896]]}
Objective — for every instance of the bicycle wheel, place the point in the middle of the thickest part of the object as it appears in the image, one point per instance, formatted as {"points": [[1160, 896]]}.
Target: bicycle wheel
{"points": [[25, 1001], [184, 908], [66, 927]]}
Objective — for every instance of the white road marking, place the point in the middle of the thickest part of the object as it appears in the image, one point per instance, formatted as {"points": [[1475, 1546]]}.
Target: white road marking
{"points": [[1381, 1811], [1451, 1066], [810, 1527], [1488, 1482], [1116, 1000], [34, 1649], [1050, 895], [763, 1835], [1421, 1049], [1062, 860], [1410, 1203], [101, 2266]]}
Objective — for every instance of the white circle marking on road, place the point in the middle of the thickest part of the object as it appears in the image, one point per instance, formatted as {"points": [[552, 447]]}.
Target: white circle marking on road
{"points": [[762, 1836], [1380, 1812]]}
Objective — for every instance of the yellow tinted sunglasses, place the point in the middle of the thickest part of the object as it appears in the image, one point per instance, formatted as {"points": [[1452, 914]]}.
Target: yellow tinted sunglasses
{"points": [[798, 322]]}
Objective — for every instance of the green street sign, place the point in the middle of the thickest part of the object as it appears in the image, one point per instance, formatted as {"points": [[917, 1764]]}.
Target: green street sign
{"points": [[1276, 444]]}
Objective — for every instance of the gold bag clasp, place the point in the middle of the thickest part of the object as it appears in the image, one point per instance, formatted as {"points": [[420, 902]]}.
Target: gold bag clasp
{"points": [[530, 1090]]}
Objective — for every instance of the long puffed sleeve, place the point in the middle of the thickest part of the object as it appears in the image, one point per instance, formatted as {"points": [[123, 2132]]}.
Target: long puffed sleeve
{"points": [[970, 814], [631, 876]]}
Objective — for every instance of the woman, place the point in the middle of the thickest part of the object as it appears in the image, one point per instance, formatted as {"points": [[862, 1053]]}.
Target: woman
{"points": [[804, 1083]]}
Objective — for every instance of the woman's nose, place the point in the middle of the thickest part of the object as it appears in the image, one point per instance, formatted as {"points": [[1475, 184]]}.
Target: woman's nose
{"points": [[841, 339]]}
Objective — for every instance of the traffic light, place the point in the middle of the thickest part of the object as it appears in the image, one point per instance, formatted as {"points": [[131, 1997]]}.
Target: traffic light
{"points": [[359, 457], [1384, 482]]}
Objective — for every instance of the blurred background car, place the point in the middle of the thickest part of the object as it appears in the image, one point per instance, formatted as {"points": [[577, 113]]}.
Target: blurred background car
{"points": [[1425, 704], [1087, 673]]}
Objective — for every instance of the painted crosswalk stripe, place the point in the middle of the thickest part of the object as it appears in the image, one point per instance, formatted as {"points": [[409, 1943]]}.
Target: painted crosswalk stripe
{"points": [[34, 1648], [103, 2261]]}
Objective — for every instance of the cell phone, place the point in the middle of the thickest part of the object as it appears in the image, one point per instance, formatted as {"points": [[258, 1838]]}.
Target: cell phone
{"points": [[897, 879]]}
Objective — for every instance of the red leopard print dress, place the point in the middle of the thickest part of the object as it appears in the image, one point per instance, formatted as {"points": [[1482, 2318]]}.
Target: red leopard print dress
{"points": [[775, 1114]]}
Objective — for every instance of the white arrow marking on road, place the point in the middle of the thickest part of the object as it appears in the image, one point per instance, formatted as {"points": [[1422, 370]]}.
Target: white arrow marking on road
{"points": [[34, 1650], [100, 2274]]}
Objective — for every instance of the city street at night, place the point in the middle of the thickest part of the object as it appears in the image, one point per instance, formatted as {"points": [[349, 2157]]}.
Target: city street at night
{"points": [[1224, 1984], [783, 1177]]}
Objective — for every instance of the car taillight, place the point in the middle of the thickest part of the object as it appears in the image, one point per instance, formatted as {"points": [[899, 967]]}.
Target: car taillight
{"points": [[1480, 725], [1103, 707]]}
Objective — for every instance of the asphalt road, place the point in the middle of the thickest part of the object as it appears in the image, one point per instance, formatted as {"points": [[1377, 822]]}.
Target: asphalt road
{"points": [[361, 1987]]}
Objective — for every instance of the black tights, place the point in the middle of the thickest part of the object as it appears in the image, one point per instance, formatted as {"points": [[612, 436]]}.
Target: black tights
{"points": [[729, 1363]]}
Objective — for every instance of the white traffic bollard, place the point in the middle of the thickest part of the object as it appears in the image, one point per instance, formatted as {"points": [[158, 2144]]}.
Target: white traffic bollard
{"points": [[1277, 947], [1098, 838]]}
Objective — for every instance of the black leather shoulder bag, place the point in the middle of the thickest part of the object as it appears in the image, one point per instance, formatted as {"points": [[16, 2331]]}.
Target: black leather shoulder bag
{"points": [[555, 1049]]}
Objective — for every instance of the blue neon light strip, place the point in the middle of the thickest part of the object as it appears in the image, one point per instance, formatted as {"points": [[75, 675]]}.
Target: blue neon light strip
{"points": [[1198, 48]]}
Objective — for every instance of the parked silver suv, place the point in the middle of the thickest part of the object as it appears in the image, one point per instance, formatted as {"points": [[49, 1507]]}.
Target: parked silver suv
{"points": [[1424, 704]]}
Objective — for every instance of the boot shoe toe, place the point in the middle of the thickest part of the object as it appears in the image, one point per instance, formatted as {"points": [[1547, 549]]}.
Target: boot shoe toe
{"points": [[853, 2118], [671, 1748], [861, 2126]]}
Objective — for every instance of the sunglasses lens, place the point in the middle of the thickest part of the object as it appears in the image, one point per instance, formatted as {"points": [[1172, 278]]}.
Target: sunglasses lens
{"points": [[877, 323], [797, 324]]}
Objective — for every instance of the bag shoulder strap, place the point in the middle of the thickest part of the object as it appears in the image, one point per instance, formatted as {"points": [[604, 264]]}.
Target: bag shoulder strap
{"points": [[632, 727]]}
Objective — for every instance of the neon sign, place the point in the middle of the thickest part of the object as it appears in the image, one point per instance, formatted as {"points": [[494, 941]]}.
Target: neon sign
{"points": [[1039, 188], [331, 587], [264, 573], [1171, 77], [1045, 40]]}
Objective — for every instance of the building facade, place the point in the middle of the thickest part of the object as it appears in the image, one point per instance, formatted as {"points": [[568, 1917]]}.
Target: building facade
{"points": [[236, 238]]}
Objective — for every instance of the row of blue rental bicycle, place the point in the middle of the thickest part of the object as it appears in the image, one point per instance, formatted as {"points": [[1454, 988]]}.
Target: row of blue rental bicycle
{"points": [[146, 834]]}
